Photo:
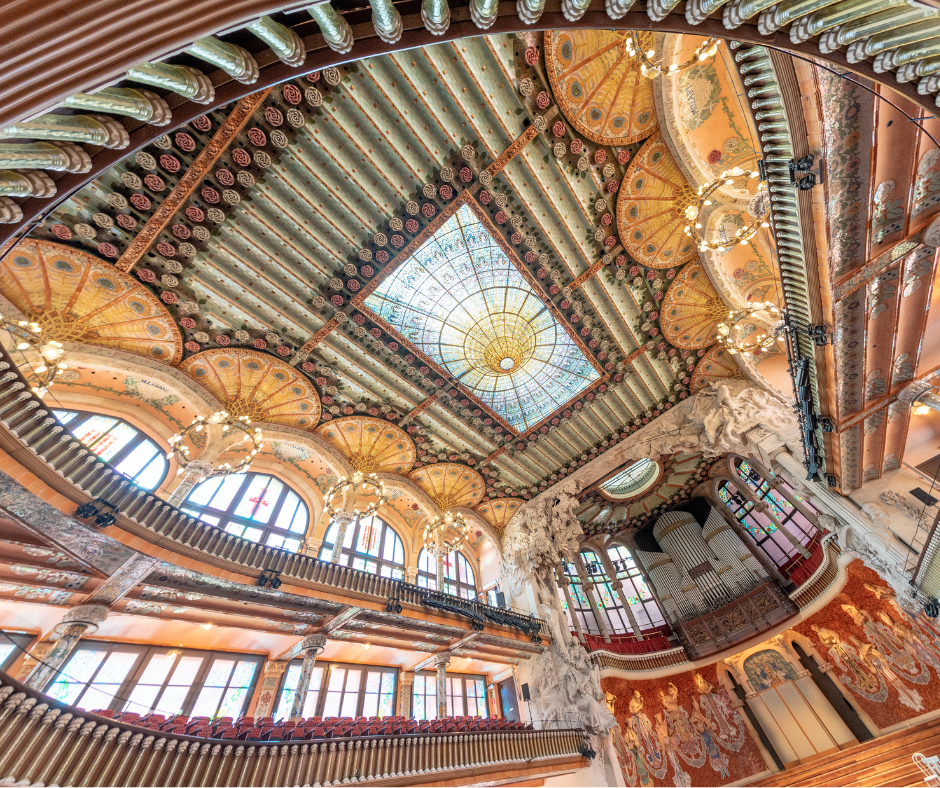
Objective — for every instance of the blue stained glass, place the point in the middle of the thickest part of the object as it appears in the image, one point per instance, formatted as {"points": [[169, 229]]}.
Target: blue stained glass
{"points": [[463, 302]]}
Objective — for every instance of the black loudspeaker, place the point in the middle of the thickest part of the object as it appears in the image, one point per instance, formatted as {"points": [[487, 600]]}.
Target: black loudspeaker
{"points": [[500, 599], [525, 692]]}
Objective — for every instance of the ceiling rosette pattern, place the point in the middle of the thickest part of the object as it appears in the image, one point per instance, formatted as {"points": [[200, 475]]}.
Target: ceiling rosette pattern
{"points": [[371, 445], [717, 364], [450, 484], [499, 512], [692, 310]]}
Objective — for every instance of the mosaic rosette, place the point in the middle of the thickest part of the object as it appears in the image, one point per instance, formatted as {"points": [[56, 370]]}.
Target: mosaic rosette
{"points": [[716, 364], [450, 484], [498, 513], [371, 445], [257, 385], [78, 298], [598, 86], [691, 310], [651, 208]]}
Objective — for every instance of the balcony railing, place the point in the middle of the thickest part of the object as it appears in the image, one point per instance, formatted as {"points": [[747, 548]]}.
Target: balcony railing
{"points": [[48, 743], [55, 454]]}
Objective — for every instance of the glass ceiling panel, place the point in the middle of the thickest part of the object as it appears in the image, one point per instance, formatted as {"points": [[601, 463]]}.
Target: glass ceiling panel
{"points": [[464, 304]]}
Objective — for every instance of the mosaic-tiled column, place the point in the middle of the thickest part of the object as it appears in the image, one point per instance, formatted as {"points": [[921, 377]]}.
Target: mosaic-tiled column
{"points": [[311, 648], [76, 623], [440, 573], [406, 681], [195, 471], [441, 661], [36, 655], [273, 670], [342, 520]]}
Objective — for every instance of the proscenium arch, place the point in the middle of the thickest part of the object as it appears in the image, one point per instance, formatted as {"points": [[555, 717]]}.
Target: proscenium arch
{"points": [[70, 52]]}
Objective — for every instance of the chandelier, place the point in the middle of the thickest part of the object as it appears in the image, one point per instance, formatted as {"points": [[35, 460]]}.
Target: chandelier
{"points": [[650, 68], [227, 421], [438, 528], [729, 333], [344, 486], [29, 335], [743, 234]]}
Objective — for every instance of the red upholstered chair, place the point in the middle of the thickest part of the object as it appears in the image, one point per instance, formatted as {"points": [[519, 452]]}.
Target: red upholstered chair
{"points": [[105, 713], [228, 733], [249, 721], [250, 733], [264, 722]]}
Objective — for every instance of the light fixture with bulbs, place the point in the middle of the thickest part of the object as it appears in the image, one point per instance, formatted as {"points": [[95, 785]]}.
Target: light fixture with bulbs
{"points": [[29, 335], [437, 529], [920, 409], [227, 422], [729, 333], [694, 211], [651, 67], [356, 483]]}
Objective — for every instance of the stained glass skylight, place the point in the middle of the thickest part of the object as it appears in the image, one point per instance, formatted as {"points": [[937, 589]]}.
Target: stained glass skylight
{"points": [[632, 480], [462, 302]]}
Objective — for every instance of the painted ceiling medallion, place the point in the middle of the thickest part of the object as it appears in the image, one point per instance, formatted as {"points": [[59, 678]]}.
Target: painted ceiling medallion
{"points": [[256, 385], [449, 485], [598, 85], [371, 445], [75, 297], [498, 513], [464, 303], [651, 208], [717, 364], [691, 310]]}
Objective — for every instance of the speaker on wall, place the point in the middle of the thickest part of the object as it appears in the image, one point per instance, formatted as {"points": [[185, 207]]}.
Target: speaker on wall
{"points": [[525, 692]]}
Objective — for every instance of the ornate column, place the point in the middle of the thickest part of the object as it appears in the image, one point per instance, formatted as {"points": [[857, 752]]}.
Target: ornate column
{"points": [[193, 474], [77, 622], [441, 661], [273, 670], [407, 681], [311, 648], [617, 585], [36, 655], [561, 580], [342, 520], [589, 593]]}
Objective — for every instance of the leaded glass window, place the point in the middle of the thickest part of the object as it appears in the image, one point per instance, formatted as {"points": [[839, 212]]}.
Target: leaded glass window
{"points": [[255, 506], [339, 690], [424, 697], [466, 695], [459, 579], [126, 448], [370, 545], [462, 302], [12, 646], [642, 603]]}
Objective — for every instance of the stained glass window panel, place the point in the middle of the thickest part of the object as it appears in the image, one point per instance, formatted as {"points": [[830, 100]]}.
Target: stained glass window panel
{"points": [[463, 303]]}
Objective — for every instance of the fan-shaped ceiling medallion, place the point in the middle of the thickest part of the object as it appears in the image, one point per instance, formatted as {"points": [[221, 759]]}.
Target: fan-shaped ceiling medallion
{"points": [[598, 85], [690, 312], [651, 208], [256, 385], [498, 513], [449, 484], [371, 445], [76, 297], [717, 364]]}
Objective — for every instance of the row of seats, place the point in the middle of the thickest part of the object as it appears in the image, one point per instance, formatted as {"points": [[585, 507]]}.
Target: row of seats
{"points": [[266, 729]]}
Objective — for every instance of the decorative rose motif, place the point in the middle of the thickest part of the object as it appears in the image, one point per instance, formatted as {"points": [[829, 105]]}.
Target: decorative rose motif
{"points": [[353, 285], [658, 296], [501, 217], [292, 94], [600, 156], [485, 197], [654, 331], [108, 250], [542, 100], [446, 192], [397, 241], [381, 256], [606, 219], [185, 142], [124, 220], [653, 315], [181, 231], [428, 209], [612, 187], [393, 346], [336, 300], [192, 347], [313, 76], [225, 177], [195, 214], [532, 56], [241, 157], [585, 331], [168, 297], [376, 332], [409, 359], [714, 157], [516, 238], [283, 350], [146, 275], [558, 129], [274, 116], [623, 157], [166, 249], [610, 241], [412, 226], [576, 146], [209, 194], [256, 136], [170, 163], [202, 123], [154, 182], [466, 174]]}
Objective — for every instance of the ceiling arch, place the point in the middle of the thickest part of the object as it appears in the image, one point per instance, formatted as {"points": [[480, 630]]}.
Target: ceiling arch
{"points": [[76, 297], [598, 85], [258, 385], [500, 511], [717, 364], [651, 208], [371, 445], [691, 310], [450, 484]]}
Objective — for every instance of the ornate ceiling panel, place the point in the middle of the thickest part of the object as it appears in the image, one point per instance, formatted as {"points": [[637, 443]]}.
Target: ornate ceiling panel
{"points": [[499, 512], [691, 310], [76, 297], [717, 364], [371, 445], [651, 208], [449, 484], [599, 86], [257, 385]]}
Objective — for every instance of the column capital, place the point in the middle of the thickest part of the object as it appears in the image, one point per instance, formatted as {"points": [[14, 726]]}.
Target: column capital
{"points": [[442, 659], [313, 643], [913, 390], [407, 678], [275, 667], [89, 615]]}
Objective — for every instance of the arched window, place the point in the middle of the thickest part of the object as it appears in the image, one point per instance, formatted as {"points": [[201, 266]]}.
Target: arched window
{"points": [[371, 545], [642, 603], [458, 574], [114, 440], [582, 610], [767, 535], [251, 505], [608, 602]]}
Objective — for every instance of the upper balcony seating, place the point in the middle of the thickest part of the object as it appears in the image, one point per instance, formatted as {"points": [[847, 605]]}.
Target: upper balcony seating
{"points": [[266, 729]]}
